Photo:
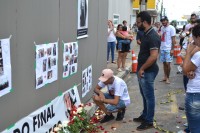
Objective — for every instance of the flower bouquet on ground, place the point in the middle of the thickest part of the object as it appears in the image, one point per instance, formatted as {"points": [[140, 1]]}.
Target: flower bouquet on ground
{"points": [[79, 122]]}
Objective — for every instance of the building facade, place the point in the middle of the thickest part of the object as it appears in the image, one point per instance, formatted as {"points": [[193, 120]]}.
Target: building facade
{"points": [[120, 10]]}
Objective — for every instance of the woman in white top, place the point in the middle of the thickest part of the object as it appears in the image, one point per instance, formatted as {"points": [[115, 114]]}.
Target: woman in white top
{"points": [[111, 41], [192, 64]]}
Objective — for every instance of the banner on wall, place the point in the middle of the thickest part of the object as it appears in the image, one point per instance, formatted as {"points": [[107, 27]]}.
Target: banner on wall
{"points": [[45, 118], [70, 59], [82, 30], [5, 67], [86, 80], [46, 64]]}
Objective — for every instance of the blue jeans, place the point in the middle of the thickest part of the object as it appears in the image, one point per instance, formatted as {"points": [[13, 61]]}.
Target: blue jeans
{"points": [[110, 47], [113, 108], [120, 42], [192, 110], [146, 85]]}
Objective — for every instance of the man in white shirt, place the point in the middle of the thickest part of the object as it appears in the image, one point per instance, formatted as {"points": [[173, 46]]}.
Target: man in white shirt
{"points": [[116, 99], [168, 34]]}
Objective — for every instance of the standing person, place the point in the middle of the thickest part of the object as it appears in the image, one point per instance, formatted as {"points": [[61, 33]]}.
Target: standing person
{"points": [[126, 41], [124, 22], [117, 98], [147, 69], [168, 40], [111, 41], [182, 36], [192, 64], [121, 60], [193, 18]]}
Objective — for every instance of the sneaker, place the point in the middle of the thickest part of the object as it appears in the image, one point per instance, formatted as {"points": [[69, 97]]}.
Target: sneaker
{"points": [[119, 69], [139, 119], [144, 126], [120, 115], [107, 118]]}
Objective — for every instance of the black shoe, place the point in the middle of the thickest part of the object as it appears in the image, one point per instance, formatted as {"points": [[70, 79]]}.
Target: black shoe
{"points": [[107, 118], [144, 126], [139, 119], [120, 115]]}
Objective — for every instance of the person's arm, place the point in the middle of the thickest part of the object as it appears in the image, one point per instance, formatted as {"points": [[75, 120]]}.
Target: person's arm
{"points": [[110, 30], [189, 63], [118, 34], [152, 58], [138, 42], [98, 91], [173, 37], [114, 101]]}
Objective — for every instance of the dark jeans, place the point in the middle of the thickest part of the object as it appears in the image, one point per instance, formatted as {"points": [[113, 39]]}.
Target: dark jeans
{"points": [[146, 85], [192, 109], [110, 47]]}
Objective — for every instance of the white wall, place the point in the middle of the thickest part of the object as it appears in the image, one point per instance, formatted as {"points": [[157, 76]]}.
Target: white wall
{"points": [[121, 7]]}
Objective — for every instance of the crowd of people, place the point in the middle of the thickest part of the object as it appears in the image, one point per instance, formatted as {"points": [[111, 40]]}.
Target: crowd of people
{"points": [[155, 41]]}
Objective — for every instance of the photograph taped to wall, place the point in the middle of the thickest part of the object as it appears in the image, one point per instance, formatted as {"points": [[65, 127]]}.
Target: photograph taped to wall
{"points": [[46, 64], [5, 67], [70, 59], [71, 98], [82, 30]]}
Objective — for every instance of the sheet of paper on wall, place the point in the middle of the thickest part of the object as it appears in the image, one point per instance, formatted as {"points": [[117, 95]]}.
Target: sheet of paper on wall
{"points": [[46, 64], [86, 80], [5, 67], [70, 58]]}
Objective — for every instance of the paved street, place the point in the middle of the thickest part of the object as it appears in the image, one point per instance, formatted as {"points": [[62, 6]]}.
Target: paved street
{"points": [[167, 115]]}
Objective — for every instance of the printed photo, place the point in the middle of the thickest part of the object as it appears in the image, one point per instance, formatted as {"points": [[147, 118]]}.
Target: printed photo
{"points": [[40, 81], [54, 50], [71, 61], [41, 53], [67, 57], [73, 69], [1, 66], [4, 85], [53, 61], [66, 48], [66, 68], [49, 51], [49, 74], [44, 65], [69, 70], [70, 48], [74, 46], [83, 13], [70, 101], [0, 51], [75, 59], [49, 63]]}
